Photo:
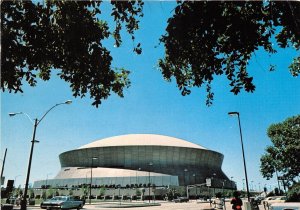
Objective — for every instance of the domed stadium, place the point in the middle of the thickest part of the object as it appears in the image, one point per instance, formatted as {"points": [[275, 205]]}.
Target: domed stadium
{"points": [[140, 159]]}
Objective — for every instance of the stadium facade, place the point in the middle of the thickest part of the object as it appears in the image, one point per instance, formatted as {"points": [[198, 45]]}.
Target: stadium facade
{"points": [[139, 159]]}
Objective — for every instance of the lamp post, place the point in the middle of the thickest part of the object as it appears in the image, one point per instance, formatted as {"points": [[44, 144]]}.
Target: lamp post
{"points": [[265, 188], [185, 185], [214, 174], [119, 186], [149, 164], [90, 200], [47, 179], [194, 175], [245, 168], [223, 186], [231, 183], [244, 184], [36, 122], [137, 180], [86, 177]]}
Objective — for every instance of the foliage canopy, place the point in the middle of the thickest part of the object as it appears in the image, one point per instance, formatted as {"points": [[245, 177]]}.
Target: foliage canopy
{"points": [[67, 36], [283, 156], [209, 38], [203, 39]]}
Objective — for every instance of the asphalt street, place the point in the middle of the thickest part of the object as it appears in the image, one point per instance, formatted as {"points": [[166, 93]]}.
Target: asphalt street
{"points": [[192, 205]]}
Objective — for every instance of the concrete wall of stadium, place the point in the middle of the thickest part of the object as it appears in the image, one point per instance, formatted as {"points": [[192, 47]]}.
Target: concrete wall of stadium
{"points": [[200, 163]]}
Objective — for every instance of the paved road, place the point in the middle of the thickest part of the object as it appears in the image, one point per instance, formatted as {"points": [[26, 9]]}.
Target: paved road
{"points": [[192, 205]]}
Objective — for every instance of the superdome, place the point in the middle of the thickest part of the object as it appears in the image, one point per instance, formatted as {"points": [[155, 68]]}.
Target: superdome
{"points": [[142, 139], [129, 159]]}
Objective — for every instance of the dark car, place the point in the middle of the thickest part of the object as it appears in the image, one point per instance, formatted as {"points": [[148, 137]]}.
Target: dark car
{"points": [[181, 199], [62, 202], [11, 200], [290, 206]]}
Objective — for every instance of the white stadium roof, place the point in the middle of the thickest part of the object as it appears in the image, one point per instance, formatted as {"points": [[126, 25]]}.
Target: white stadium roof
{"points": [[141, 140]]}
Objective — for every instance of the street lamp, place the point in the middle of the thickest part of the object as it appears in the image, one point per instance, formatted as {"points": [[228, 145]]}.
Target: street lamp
{"points": [[194, 175], [223, 186], [185, 185], [245, 168], [231, 183], [36, 122], [184, 178], [149, 164], [93, 158], [214, 175], [265, 188], [47, 179], [136, 177]]}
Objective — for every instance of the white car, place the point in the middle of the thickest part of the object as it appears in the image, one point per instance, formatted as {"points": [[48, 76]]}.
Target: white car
{"points": [[62, 202], [274, 199]]}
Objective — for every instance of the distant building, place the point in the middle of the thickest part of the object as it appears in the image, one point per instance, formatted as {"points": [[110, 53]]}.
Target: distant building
{"points": [[140, 159]]}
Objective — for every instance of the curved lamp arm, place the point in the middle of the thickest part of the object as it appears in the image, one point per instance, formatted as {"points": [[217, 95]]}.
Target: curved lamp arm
{"points": [[15, 113], [66, 102]]}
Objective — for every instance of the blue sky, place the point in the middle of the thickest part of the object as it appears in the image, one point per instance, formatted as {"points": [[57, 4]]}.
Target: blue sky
{"points": [[151, 105]]}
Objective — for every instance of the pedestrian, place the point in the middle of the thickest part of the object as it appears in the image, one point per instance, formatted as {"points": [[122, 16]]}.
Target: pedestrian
{"points": [[236, 201], [219, 202]]}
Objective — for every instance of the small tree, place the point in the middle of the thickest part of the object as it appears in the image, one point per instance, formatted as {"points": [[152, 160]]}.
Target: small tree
{"points": [[44, 195], [278, 192], [137, 192], [17, 191], [84, 190], [70, 192], [102, 191], [49, 193], [181, 191], [143, 192], [283, 156], [31, 193], [293, 194], [172, 194]]}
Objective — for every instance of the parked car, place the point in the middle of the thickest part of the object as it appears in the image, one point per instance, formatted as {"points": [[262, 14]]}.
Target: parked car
{"points": [[11, 200], [259, 199], [290, 206], [181, 199], [274, 199], [62, 202]]}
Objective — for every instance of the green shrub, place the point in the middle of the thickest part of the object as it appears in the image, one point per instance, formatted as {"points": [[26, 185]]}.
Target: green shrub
{"points": [[138, 192], [102, 191], [293, 195]]}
